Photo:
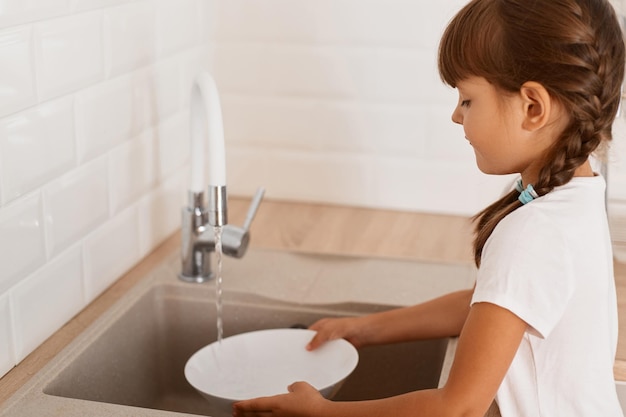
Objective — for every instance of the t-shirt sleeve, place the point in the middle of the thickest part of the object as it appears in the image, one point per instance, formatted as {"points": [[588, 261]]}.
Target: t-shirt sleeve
{"points": [[526, 269]]}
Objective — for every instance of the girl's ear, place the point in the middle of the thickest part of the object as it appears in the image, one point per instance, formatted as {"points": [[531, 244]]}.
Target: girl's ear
{"points": [[537, 105]]}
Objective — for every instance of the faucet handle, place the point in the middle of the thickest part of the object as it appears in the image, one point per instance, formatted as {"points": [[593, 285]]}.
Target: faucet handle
{"points": [[254, 206], [235, 239]]}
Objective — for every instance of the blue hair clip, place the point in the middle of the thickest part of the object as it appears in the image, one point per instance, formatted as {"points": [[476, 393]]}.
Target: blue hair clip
{"points": [[527, 195]]}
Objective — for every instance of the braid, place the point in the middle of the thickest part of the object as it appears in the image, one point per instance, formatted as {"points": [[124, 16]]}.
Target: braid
{"points": [[574, 48], [488, 219], [593, 97]]}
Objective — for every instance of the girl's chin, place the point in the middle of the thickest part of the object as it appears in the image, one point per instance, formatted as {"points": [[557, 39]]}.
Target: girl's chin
{"points": [[486, 169]]}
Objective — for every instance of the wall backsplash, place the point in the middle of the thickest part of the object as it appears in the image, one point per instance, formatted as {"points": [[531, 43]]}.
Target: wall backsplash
{"points": [[333, 101], [93, 148]]}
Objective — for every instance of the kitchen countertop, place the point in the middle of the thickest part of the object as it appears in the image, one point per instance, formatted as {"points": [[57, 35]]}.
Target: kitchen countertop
{"points": [[308, 228]]}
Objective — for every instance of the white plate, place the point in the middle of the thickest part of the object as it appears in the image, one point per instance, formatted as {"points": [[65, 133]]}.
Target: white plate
{"points": [[265, 362]]}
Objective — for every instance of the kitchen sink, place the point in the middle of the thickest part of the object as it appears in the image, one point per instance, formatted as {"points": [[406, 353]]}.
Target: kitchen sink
{"points": [[131, 360], [139, 360]]}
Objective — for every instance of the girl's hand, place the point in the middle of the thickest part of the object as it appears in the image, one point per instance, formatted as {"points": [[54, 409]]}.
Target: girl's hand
{"points": [[303, 400], [349, 328]]}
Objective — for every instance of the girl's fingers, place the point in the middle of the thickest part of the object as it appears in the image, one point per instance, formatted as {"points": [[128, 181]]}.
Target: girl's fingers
{"points": [[237, 413], [300, 386], [320, 336], [318, 340], [252, 408]]}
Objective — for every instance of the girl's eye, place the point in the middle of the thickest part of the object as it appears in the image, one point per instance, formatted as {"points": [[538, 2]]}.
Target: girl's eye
{"points": [[465, 103]]}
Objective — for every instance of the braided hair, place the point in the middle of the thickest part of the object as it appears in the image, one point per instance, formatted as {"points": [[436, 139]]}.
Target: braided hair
{"points": [[574, 48]]}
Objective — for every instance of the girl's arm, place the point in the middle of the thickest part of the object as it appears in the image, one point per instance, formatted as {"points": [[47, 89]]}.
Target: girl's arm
{"points": [[440, 317], [487, 345]]}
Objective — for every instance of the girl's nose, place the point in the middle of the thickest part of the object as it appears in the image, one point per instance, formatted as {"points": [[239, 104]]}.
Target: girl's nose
{"points": [[457, 117]]}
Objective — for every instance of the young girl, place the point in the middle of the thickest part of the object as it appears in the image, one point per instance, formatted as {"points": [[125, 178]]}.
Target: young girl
{"points": [[539, 86]]}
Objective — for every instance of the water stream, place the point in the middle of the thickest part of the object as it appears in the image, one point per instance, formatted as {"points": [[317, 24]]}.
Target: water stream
{"points": [[218, 282]]}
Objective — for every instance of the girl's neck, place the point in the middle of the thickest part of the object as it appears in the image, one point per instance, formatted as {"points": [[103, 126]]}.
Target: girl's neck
{"points": [[584, 170]]}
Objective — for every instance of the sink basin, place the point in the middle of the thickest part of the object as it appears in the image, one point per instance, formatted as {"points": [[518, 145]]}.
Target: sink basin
{"points": [[131, 360], [139, 360]]}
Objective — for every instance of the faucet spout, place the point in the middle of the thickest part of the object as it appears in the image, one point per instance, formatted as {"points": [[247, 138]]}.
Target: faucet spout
{"points": [[198, 238], [206, 126]]}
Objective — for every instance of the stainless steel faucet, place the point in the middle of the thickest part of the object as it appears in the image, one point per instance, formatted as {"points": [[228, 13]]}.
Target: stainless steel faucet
{"points": [[198, 236]]}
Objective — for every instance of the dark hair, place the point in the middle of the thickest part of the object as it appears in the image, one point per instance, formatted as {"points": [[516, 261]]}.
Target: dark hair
{"points": [[574, 48]]}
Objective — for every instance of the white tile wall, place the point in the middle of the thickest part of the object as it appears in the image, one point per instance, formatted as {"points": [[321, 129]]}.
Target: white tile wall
{"points": [[46, 300], [22, 248], [104, 117], [7, 355], [93, 148], [160, 211], [132, 170], [110, 251], [82, 5], [172, 147], [15, 12], [76, 204], [17, 79], [129, 35], [36, 145], [166, 87], [179, 25], [69, 42]]}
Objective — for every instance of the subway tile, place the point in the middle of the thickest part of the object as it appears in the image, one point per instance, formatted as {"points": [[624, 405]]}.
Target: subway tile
{"points": [[144, 111], [178, 25], [174, 140], [273, 21], [46, 300], [383, 22], [404, 75], [396, 22], [76, 204], [36, 146], [160, 211], [132, 171], [324, 125], [104, 117], [83, 5], [17, 80], [69, 53], [14, 12], [371, 180], [313, 176], [7, 355], [113, 112], [209, 18], [22, 247], [166, 91], [409, 184], [110, 251], [129, 37]]}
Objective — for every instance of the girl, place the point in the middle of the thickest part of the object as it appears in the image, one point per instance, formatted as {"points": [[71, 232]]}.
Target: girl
{"points": [[539, 86]]}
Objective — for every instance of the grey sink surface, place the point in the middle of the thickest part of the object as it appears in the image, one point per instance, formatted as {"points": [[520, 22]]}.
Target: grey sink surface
{"points": [[131, 360]]}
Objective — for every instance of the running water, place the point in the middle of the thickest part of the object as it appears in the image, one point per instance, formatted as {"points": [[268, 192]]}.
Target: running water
{"points": [[218, 282]]}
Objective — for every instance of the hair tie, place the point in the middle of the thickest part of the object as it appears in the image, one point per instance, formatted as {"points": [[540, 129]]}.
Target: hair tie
{"points": [[527, 195]]}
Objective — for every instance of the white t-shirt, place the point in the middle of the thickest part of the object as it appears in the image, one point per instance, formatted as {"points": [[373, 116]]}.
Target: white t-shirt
{"points": [[550, 263]]}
